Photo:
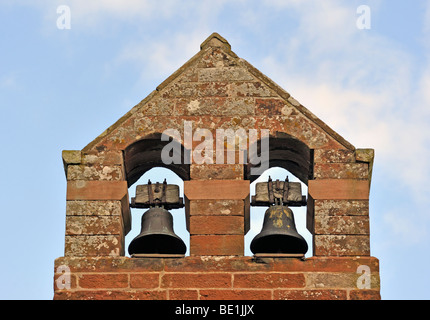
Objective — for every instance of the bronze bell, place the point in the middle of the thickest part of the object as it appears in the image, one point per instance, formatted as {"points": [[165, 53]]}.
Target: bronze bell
{"points": [[157, 235], [279, 234]]}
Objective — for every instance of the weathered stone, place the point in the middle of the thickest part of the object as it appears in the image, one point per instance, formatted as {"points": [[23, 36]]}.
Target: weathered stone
{"points": [[108, 158], [225, 74], [214, 207], [217, 57], [341, 171], [93, 225], [215, 89], [96, 208], [334, 156], [94, 245], [341, 245], [339, 280], [365, 155], [341, 207], [215, 40], [216, 106], [250, 89], [341, 225], [94, 172], [195, 90], [158, 106], [72, 156], [217, 172]]}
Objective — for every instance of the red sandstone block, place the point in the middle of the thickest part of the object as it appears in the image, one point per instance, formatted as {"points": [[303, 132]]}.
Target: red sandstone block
{"points": [[96, 190], [326, 264], [217, 245], [216, 189], [145, 280], [106, 158], [216, 225], [269, 280], [214, 57], [93, 208], [190, 89], [317, 294], [93, 225], [216, 171], [251, 89], [94, 245], [341, 170], [240, 294], [215, 106], [339, 280], [341, 207], [364, 295], [103, 280], [334, 156], [341, 245], [197, 280], [337, 189], [269, 106], [94, 172], [216, 207], [60, 281], [110, 264], [111, 295], [341, 225], [183, 294], [234, 73], [216, 264]]}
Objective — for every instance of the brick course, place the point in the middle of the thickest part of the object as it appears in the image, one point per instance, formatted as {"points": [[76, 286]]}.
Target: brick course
{"points": [[201, 278]]}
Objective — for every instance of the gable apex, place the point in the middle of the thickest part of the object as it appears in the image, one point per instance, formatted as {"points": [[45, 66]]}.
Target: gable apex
{"points": [[215, 40], [215, 82]]}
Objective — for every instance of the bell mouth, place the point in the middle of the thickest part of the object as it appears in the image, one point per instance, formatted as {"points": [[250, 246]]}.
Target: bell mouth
{"points": [[157, 243], [279, 243]]}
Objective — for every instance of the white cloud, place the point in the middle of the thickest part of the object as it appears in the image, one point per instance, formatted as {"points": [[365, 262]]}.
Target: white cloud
{"points": [[160, 57], [8, 81], [360, 84], [371, 91], [99, 13], [406, 231]]}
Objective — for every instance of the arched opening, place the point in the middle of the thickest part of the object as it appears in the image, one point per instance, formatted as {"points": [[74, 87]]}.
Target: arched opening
{"points": [[143, 161], [146, 154], [257, 213], [279, 155], [279, 150], [158, 174]]}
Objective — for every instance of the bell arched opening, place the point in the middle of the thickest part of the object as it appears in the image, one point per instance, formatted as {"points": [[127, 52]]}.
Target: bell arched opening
{"points": [[147, 153], [279, 150], [271, 239], [176, 237], [157, 157], [279, 156]]}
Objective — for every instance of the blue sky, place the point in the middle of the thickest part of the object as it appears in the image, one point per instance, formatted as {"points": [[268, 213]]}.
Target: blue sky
{"points": [[59, 89]]}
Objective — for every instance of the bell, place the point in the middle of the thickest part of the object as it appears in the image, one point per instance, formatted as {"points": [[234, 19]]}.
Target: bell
{"points": [[279, 234], [157, 235]]}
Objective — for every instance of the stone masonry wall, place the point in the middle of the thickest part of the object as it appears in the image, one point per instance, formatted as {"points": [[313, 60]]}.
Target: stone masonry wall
{"points": [[214, 90], [219, 278]]}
